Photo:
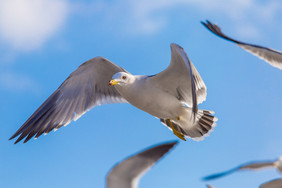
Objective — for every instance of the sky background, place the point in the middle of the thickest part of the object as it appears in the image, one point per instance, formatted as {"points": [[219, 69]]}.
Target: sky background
{"points": [[43, 41]]}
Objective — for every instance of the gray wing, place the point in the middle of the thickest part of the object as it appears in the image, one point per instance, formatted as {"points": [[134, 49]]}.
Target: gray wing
{"points": [[127, 173], [257, 165], [249, 166], [85, 88], [272, 184], [181, 79], [271, 56], [210, 186]]}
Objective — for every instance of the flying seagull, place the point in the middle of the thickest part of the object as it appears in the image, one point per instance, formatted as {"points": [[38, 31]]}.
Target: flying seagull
{"points": [[172, 96], [210, 186], [271, 56], [249, 166], [127, 173], [272, 184]]}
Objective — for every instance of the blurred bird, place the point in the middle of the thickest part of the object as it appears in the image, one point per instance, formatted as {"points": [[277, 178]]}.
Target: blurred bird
{"points": [[273, 57], [172, 96], [209, 186], [127, 173], [277, 183], [249, 166]]}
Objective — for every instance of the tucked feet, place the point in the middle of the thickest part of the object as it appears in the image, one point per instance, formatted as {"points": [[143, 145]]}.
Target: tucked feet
{"points": [[178, 134]]}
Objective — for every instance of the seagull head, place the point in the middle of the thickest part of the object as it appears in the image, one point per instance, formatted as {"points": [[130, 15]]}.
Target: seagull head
{"points": [[121, 78]]}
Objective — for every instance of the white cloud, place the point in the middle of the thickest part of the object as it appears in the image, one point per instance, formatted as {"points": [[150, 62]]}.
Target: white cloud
{"points": [[149, 17], [15, 82], [27, 24]]}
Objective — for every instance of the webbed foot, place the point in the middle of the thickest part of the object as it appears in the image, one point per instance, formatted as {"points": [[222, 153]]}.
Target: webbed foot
{"points": [[178, 134]]}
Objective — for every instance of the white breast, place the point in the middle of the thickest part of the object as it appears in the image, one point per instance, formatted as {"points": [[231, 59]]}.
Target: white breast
{"points": [[145, 96]]}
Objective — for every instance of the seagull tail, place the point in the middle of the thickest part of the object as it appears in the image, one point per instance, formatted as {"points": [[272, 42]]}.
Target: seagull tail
{"points": [[197, 127]]}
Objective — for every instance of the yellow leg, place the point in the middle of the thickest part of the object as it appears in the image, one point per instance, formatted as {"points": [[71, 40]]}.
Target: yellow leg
{"points": [[178, 134]]}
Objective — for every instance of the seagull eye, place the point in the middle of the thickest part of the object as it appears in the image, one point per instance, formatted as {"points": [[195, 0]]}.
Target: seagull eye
{"points": [[123, 77]]}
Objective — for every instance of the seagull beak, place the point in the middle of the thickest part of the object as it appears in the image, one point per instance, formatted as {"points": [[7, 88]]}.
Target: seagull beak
{"points": [[113, 82]]}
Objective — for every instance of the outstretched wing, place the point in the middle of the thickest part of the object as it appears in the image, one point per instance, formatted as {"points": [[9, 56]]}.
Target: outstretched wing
{"points": [[127, 173], [219, 175], [257, 165], [249, 166], [272, 184], [271, 56], [181, 79], [85, 88], [210, 186]]}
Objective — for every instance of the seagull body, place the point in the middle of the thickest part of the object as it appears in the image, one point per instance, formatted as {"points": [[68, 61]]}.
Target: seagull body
{"points": [[271, 56], [158, 103], [250, 166], [172, 96], [127, 173]]}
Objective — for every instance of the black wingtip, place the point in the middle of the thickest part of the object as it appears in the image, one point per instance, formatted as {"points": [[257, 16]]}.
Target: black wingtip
{"points": [[17, 141], [14, 136], [203, 23], [219, 175]]}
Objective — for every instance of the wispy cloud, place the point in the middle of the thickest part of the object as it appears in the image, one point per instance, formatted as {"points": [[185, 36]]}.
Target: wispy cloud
{"points": [[15, 82], [28, 24], [148, 17]]}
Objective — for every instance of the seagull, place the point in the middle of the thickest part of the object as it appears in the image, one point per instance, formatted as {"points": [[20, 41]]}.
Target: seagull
{"points": [[127, 173], [249, 166], [271, 56], [272, 184], [172, 96], [210, 186]]}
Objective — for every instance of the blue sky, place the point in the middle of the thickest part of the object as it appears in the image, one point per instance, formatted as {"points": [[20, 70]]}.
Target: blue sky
{"points": [[43, 41]]}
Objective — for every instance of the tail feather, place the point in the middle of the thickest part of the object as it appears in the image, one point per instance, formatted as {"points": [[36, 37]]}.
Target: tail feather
{"points": [[197, 128]]}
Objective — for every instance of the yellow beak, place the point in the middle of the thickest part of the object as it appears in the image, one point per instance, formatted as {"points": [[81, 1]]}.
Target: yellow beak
{"points": [[113, 82]]}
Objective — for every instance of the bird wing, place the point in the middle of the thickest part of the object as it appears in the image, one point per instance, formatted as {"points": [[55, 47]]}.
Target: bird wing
{"points": [[248, 166], [127, 173], [85, 88], [257, 165], [272, 184], [219, 175], [210, 186], [181, 79], [271, 56]]}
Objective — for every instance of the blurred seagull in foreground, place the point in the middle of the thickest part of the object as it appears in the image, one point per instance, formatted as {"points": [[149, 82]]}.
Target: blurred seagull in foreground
{"points": [[277, 183], [249, 166], [273, 57], [127, 173], [209, 186], [172, 96]]}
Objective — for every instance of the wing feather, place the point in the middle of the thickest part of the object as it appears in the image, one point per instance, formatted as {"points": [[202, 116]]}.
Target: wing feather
{"points": [[248, 166], [127, 173], [181, 79], [271, 56], [85, 88]]}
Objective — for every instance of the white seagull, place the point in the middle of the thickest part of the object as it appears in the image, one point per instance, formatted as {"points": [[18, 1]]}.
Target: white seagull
{"points": [[127, 173], [172, 96], [249, 166], [271, 56], [277, 183]]}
